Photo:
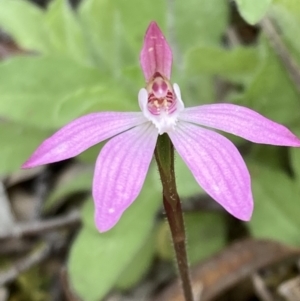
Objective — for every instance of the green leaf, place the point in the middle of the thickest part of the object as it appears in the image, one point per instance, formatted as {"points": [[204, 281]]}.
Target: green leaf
{"points": [[295, 157], [205, 236], [105, 35], [65, 31], [116, 39], [291, 5], [91, 154], [52, 31], [231, 64], [271, 91], [81, 182], [17, 143], [147, 11], [98, 259], [253, 10], [276, 201], [186, 183], [134, 272], [25, 22], [286, 14], [55, 90], [198, 89], [197, 24]]}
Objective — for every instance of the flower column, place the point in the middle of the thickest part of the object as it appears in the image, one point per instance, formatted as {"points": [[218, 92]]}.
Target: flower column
{"points": [[160, 104]]}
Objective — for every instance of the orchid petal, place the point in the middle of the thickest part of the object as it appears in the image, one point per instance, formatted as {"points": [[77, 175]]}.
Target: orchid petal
{"points": [[217, 167], [120, 172], [82, 133], [242, 122], [156, 55]]}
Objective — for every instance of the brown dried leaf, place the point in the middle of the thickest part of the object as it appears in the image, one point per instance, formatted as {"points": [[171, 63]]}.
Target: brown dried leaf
{"points": [[230, 267], [290, 289]]}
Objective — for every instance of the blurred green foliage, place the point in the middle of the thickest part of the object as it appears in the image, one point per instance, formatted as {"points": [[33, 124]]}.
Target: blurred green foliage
{"points": [[86, 60], [279, 205], [253, 10], [97, 260], [206, 233]]}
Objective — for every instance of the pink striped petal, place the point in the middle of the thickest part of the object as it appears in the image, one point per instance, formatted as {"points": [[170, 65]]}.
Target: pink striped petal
{"points": [[242, 122], [82, 133], [156, 55], [217, 166], [120, 172]]}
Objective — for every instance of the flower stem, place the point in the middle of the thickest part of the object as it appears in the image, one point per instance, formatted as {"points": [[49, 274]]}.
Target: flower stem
{"points": [[164, 154]]}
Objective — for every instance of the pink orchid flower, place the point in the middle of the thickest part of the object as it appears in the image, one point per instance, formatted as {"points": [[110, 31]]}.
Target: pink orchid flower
{"points": [[123, 162]]}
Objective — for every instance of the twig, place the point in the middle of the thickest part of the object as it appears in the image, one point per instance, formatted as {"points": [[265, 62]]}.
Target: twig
{"points": [[3, 294], [38, 227], [232, 36], [6, 215], [290, 289], [42, 187], [261, 288], [15, 246], [230, 267], [282, 51], [25, 263]]}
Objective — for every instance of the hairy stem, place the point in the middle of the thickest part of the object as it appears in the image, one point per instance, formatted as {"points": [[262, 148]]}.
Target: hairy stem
{"points": [[164, 154]]}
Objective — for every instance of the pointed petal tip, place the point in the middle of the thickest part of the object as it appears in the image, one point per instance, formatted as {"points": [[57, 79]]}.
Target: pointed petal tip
{"points": [[37, 158], [156, 55], [26, 165], [295, 141], [31, 163], [241, 121], [105, 223], [217, 166], [153, 28], [245, 213]]}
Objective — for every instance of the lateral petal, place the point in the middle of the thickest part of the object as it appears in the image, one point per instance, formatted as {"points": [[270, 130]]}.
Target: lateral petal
{"points": [[120, 172], [82, 133], [217, 167], [156, 54], [242, 122]]}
